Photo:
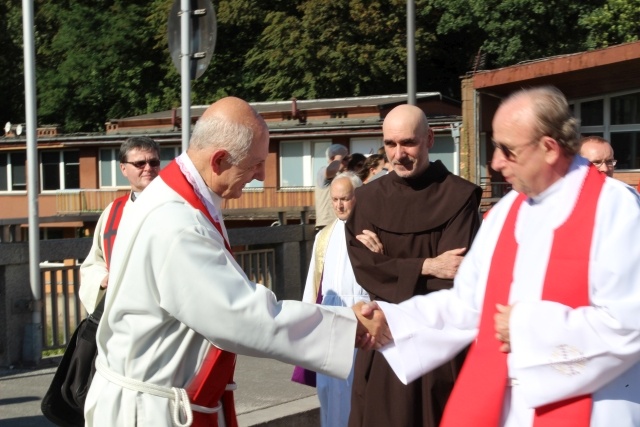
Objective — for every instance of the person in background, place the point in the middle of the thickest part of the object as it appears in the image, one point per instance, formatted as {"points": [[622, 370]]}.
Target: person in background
{"points": [[549, 293], [387, 166], [425, 217], [179, 306], [599, 152], [372, 165], [330, 281], [324, 213], [140, 164], [355, 162]]}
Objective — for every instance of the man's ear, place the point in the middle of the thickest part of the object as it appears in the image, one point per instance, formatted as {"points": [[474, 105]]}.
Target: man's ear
{"points": [[218, 161], [430, 139], [552, 149]]}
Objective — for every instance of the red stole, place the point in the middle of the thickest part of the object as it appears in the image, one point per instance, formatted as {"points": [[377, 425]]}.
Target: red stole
{"points": [[208, 386], [479, 391], [111, 228]]}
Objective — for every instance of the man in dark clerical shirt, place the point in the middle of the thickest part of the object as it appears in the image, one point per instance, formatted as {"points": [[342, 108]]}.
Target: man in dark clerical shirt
{"points": [[426, 218]]}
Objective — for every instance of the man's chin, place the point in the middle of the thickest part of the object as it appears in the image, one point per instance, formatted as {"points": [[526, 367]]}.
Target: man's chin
{"points": [[404, 173]]}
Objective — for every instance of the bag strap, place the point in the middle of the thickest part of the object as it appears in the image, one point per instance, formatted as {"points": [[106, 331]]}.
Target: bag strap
{"points": [[97, 313]]}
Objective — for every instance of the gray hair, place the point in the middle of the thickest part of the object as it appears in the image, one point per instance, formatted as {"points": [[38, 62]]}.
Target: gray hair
{"points": [[143, 143], [336, 149], [217, 133], [351, 176], [553, 117]]}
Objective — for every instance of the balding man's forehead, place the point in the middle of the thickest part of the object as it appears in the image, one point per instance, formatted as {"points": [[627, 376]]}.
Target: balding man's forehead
{"points": [[233, 109]]}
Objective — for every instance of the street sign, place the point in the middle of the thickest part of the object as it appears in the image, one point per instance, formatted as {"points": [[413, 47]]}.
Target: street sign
{"points": [[203, 36]]}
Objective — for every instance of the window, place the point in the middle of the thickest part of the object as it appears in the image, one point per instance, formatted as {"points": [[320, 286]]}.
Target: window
{"points": [[13, 171], [167, 154], [365, 146], [625, 110], [626, 149], [300, 162], [592, 113], [617, 119], [110, 175], [444, 150], [60, 170]]}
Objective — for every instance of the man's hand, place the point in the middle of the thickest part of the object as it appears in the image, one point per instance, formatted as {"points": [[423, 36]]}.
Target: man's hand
{"points": [[501, 319], [105, 282], [371, 241], [373, 331], [336, 165], [445, 265]]}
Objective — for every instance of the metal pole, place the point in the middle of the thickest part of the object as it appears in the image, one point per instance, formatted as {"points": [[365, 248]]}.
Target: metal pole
{"points": [[32, 346], [455, 134], [185, 58], [411, 52]]}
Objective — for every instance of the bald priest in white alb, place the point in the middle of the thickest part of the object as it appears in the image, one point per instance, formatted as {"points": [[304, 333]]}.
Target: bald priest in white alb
{"points": [[179, 306]]}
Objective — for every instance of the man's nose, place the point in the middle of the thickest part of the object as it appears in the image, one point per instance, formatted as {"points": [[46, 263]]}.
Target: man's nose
{"points": [[497, 160], [398, 152], [259, 173]]}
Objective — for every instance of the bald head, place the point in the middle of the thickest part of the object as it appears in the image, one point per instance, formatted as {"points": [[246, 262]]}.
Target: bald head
{"points": [[229, 145], [234, 110], [599, 152], [407, 140], [342, 193], [407, 116], [230, 124]]}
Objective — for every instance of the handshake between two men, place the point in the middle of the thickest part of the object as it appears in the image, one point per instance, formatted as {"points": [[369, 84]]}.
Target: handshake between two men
{"points": [[373, 331]]}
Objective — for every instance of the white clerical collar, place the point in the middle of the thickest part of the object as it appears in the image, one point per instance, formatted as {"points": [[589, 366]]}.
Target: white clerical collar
{"points": [[577, 163], [212, 201]]}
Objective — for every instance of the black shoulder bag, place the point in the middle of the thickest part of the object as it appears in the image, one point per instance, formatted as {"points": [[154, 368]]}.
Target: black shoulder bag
{"points": [[63, 404]]}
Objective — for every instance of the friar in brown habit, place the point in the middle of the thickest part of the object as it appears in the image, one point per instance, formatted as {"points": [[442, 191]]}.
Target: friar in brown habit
{"points": [[425, 217]]}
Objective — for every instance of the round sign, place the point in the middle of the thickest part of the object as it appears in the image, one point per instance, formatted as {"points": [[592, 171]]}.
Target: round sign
{"points": [[203, 36]]}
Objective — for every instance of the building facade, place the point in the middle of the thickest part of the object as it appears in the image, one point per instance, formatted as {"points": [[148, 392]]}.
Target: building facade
{"points": [[79, 174], [602, 87]]}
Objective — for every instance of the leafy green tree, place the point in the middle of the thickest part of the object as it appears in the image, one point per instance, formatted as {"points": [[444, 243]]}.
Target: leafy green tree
{"points": [[617, 21], [104, 59], [510, 31], [327, 49], [11, 63], [100, 64], [240, 23]]}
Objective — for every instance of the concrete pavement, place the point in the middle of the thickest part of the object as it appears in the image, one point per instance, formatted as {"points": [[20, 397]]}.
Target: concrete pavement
{"points": [[265, 396]]}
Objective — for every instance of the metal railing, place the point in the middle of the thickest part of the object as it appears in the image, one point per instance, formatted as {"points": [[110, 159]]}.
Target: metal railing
{"points": [[493, 190], [61, 307], [80, 201], [62, 310]]}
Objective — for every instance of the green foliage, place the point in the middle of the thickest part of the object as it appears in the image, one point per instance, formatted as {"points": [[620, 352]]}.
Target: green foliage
{"points": [[329, 49], [617, 21], [104, 59], [11, 63], [510, 31], [101, 63]]}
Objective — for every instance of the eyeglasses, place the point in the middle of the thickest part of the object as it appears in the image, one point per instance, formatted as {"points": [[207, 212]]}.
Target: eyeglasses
{"points": [[140, 164], [610, 163], [509, 153]]}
